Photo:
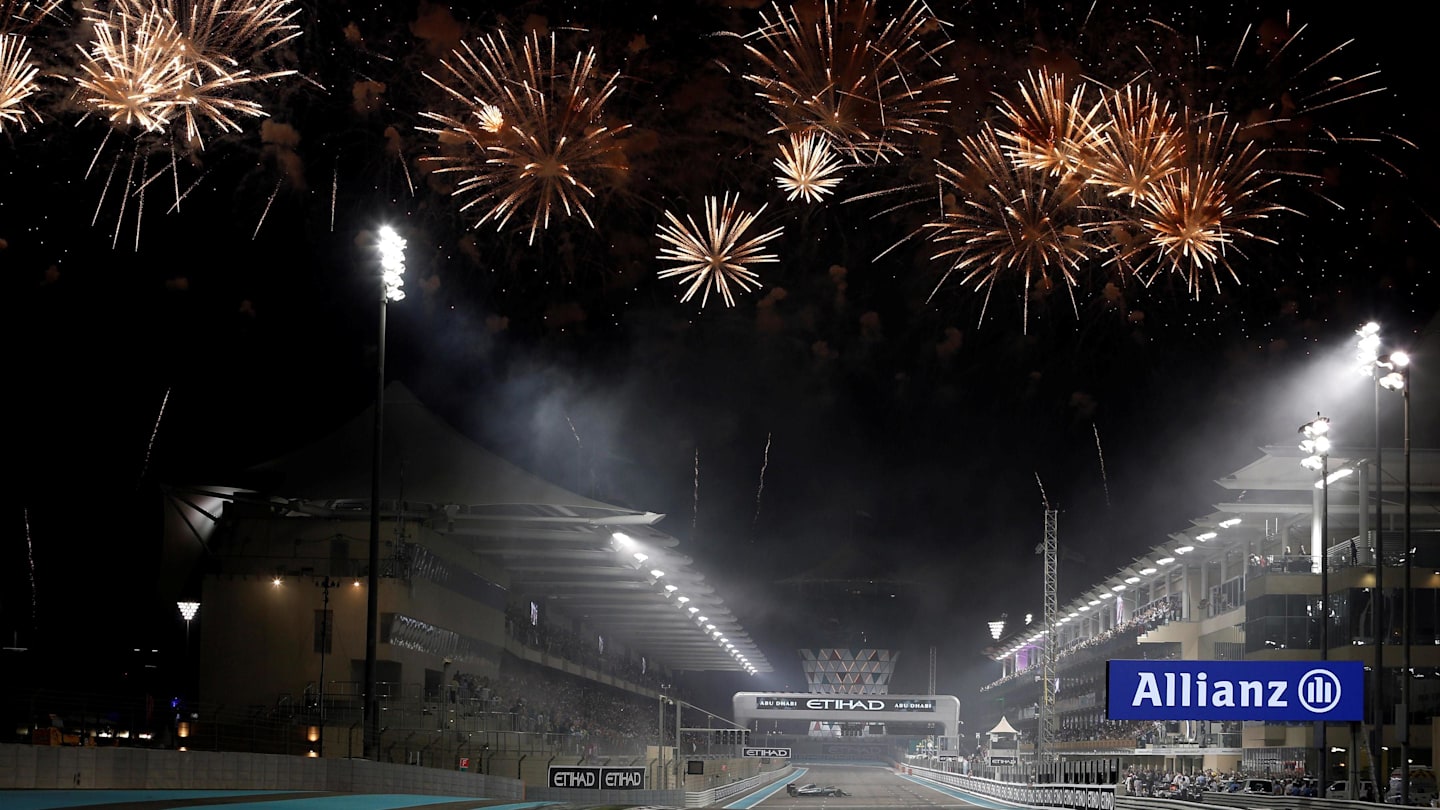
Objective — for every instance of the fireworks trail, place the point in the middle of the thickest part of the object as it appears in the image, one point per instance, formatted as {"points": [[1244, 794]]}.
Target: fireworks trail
{"points": [[1044, 499], [334, 192], [155, 431], [266, 212], [695, 514], [30, 553], [1100, 452], [764, 465], [531, 136], [1007, 221], [714, 258], [840, 67], [809, 167]]}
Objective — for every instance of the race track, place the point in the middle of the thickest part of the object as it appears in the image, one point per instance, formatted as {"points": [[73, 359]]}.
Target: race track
{"points": [[869, 786]]}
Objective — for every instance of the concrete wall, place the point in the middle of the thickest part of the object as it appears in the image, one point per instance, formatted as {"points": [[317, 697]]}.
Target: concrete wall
{"points": [[35, 766]]}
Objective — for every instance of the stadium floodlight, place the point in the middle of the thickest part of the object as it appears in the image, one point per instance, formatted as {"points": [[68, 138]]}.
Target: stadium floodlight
{"points": [[1165, 561], [1343, 472], [640, 556], [1094, 602], [1118, 588], [997, 629], [1083, 608], [1131, 580], [1184, 549], [657, 573], [1148, 571], [1204, 536], [1229, 523], [622, 539], [1108, 595], [671, 588]]}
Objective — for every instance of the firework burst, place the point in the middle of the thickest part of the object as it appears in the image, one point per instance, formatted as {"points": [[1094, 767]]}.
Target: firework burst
{"points": [[17, 71], [532, 138], [1007, 221], [17, 81], [809, 167], [1048, 131], [717, 256], [1197, 216], [1142, 144], [844, 70]]}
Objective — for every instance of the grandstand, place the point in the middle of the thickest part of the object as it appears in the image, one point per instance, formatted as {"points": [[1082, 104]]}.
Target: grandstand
{"points": [[516, 618], [1243, 583]]}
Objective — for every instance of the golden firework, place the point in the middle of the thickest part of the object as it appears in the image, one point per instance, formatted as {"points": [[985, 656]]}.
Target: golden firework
{"points": [[152, 63], [17, 81], [717, 256], [843, 69], [17, 70], [1141, 145], [1049, 131], [1007, 221], [532, 136], [1197, 216], [809, 167]]}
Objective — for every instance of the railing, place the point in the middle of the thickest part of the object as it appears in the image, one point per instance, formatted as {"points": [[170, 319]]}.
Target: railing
{"points": [[1082, 797], [705, 798]]}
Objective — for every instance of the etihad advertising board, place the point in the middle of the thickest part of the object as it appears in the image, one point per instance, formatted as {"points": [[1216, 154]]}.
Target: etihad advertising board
{"points": [[845, 704], [1281, 691]]}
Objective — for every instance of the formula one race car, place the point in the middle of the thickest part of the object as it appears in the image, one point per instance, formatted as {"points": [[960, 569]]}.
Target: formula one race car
{"points": [[814, 790]]}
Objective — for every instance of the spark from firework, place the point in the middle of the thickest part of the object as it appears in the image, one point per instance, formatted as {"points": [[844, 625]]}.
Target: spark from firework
{"points": [[809, 167], [132, 71], [532, 137], [1043, 498], [17, 81], [1197, 216], [1049, 132], [1010, 221], [838, 66], [1100, 452], [1142, 144], [718, 256], [695, 514], [764, 465]]}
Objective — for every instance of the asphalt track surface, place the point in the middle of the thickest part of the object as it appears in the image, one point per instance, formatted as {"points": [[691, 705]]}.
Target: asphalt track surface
{"points": [[874, 787], [870, 786]]}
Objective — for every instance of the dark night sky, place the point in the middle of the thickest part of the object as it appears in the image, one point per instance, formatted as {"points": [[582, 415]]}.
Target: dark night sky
{"points": [[910, 430]]}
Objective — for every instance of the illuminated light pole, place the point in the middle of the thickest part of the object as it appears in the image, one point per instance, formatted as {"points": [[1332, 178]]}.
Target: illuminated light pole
{"points": [[1368, 354], [1399, 380], [1317, 444], [392, 269], [187, 612]]}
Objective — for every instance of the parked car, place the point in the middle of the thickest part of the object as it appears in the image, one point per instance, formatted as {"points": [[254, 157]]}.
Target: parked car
{"points": [[1259, 786], [1340, 789]]}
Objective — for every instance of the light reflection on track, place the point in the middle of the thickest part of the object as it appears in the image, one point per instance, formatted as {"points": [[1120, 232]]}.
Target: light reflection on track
{"points": [[869, 786]]}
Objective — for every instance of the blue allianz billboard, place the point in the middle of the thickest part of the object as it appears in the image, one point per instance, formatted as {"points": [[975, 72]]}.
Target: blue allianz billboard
{"points": [[1236, 690]]}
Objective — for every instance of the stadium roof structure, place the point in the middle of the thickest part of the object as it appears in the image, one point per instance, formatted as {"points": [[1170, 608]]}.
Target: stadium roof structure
{"points": [[1269, 497], [595, 561]]}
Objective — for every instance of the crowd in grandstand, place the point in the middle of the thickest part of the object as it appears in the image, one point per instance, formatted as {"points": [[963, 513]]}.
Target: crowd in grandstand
{"points": [[540, 634], [1153, 615]]}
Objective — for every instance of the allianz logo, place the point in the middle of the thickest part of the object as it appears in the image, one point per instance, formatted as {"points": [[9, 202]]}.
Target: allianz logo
{"points": [[1317, 691]]}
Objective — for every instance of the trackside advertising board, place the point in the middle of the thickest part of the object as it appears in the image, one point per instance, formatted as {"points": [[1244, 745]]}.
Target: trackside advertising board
{"points": [[592, 777], [1284, 691]]}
